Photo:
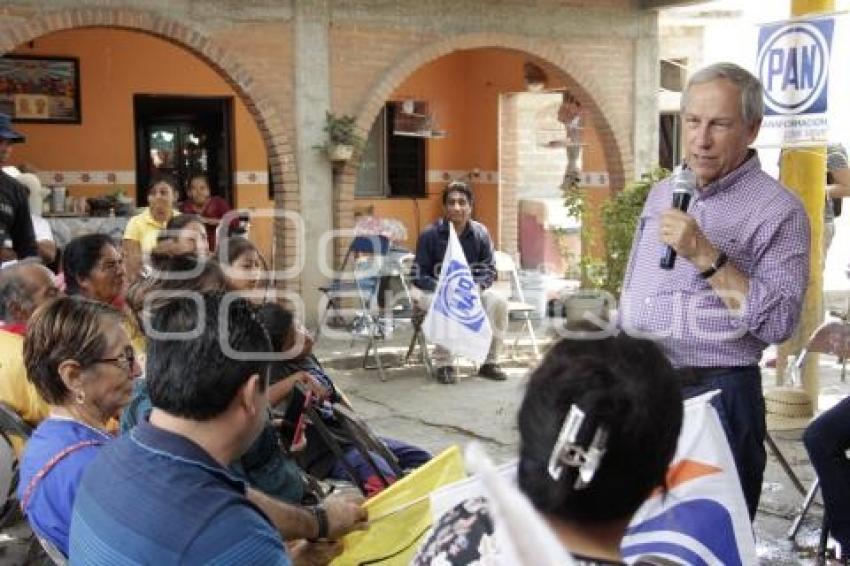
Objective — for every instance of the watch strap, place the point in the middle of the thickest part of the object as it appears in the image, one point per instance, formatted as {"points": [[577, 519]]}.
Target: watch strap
{"points": [[715, 267]]}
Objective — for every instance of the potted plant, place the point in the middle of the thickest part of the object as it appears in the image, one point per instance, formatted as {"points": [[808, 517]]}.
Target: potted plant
{"points": [[602, 278], [343, 137]]}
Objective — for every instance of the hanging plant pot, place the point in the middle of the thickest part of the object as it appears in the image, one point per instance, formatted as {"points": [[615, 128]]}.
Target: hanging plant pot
{"points": [[340, 152]]}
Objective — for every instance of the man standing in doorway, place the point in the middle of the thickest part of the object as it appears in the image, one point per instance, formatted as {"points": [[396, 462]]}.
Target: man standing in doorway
{"points": [[478, 250], [743, 264], [17, 238]]}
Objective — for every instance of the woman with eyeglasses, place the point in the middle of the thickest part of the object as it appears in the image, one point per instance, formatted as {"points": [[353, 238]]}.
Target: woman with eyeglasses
{"points": [[79, 358], [93, 267]]}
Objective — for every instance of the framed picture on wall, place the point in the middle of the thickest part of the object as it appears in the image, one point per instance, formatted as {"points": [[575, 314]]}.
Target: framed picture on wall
{"points": [[40, 89]]}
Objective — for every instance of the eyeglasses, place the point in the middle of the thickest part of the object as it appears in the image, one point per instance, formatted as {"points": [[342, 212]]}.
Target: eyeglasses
{"points": [[125, 361]]}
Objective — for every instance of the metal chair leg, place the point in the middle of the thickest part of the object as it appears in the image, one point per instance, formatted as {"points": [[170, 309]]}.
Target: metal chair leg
{"points": [[820, 557], [534, 348], [784, 463], [804, 509]]}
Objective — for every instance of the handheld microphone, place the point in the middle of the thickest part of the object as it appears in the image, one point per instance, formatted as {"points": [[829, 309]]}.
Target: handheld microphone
{"points": [[684, 184]]}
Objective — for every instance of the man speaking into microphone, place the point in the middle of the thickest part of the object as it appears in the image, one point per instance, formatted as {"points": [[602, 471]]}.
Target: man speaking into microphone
{"points": [[740, 268]]}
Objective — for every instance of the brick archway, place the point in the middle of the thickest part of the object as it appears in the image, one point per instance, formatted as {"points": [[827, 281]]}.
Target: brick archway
{"points": [[259, 101], [569, 69]]}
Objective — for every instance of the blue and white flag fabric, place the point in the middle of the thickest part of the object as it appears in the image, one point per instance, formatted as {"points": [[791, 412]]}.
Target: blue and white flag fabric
{"points": [[456, 319], [703, 518]]}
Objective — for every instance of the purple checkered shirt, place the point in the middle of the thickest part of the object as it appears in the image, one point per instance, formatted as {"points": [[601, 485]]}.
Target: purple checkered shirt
{"points": [[764, 230]]}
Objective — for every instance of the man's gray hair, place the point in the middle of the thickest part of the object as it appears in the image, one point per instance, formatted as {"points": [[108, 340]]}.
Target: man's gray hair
{"points": [[14, 288], [752, 96]]}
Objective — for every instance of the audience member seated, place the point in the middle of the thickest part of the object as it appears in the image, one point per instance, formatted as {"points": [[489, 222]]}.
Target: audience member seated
{"points": [[142, 230], [827, 440], [24, 287], [264, 465], [245, 268], [209, 208], [478, 249], [626, 398], [79, 358], [162, 494], [316, 458], [183, 235], [93, 267]]}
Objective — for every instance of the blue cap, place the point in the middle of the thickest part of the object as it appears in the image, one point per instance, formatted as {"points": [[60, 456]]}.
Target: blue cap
{"points": [[6, 131]]}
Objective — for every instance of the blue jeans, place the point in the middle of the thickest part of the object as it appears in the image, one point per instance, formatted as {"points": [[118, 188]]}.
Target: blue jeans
{"points": [[740, 407], [827, 439], [408, 457]]}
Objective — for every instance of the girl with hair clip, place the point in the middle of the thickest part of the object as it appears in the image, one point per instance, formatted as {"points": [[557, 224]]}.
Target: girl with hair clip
{"points": [[598, 428]]}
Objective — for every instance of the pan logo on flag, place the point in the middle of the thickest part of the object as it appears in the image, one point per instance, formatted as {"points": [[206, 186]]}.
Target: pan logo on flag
{"points": [[793, 66], [457, 300]]}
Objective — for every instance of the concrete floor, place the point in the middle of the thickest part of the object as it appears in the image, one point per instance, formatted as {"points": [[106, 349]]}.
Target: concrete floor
{"points": [[411, 407]]}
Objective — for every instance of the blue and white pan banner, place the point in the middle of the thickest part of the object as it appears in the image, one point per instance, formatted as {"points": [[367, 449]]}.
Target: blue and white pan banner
{"points": [[456, 318], [803, 66], [702, 520]]}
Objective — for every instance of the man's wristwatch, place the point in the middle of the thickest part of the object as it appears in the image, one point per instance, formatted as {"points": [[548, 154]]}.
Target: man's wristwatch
{"points": [[715, 267], [321, 515]]}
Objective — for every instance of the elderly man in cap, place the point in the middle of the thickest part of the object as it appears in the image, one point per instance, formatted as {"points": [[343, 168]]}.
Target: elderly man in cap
{"points": [[17, 238]]}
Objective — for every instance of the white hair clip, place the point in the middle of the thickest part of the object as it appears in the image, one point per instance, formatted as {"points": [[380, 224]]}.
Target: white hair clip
{"points": [[567, 452]]}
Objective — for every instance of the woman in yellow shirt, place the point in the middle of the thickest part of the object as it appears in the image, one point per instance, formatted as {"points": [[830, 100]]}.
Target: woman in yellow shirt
{"points": [[142, 230]]}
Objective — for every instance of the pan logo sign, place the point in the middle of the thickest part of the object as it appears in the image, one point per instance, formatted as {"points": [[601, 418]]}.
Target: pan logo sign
{"points": [[793, 66]]}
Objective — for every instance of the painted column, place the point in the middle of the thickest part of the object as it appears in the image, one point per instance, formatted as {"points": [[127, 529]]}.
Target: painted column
{"points": [[804, 172], [647, 79], [312, 100]]}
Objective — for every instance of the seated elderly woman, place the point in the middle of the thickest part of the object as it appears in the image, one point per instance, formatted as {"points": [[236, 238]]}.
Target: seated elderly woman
{"points": [[93, 267], [79, 358], [621, 397]]}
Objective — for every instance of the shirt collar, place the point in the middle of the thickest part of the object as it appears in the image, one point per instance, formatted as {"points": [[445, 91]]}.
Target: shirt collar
{"points": [[443, 227], [177, 447], [148, 217], [732, 178], [19, 328]]}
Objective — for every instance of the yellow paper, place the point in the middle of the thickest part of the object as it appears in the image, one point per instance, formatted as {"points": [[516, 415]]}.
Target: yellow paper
{"points": [[401, 515]]}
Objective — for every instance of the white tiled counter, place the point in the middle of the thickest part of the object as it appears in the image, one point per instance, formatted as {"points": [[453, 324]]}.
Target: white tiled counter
{"points": [[65, 228]]}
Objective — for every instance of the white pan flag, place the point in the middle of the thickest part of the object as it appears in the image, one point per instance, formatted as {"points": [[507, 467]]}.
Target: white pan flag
{"points": [[456, 318]]}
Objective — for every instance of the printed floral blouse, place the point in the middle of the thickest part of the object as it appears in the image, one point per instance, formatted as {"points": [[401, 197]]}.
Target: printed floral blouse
{"points": [[464, 537]]}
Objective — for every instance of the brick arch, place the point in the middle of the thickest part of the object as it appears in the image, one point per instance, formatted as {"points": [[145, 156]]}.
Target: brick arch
{"points": [[571, 70], [258, 100]]}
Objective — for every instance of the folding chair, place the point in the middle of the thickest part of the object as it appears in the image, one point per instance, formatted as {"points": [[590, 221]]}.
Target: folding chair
{"points": [[363, 440], [831, 338], [417, 316], [11, 425], [366, 254], [516, 300]]}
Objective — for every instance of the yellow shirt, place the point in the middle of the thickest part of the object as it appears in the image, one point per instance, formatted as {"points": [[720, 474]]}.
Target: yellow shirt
{"points": [[15, 389], [143, 228]]}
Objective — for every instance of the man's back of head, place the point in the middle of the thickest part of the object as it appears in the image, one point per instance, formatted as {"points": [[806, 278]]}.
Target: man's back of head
{"points": [[202, 349], [24, 287]]}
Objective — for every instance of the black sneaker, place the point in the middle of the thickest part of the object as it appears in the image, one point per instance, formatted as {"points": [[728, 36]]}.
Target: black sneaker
{"points": [[446, 375], [492, 371]]}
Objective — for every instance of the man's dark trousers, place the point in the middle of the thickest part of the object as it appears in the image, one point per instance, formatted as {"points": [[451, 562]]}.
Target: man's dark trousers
{"points": [[740, 407]]}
